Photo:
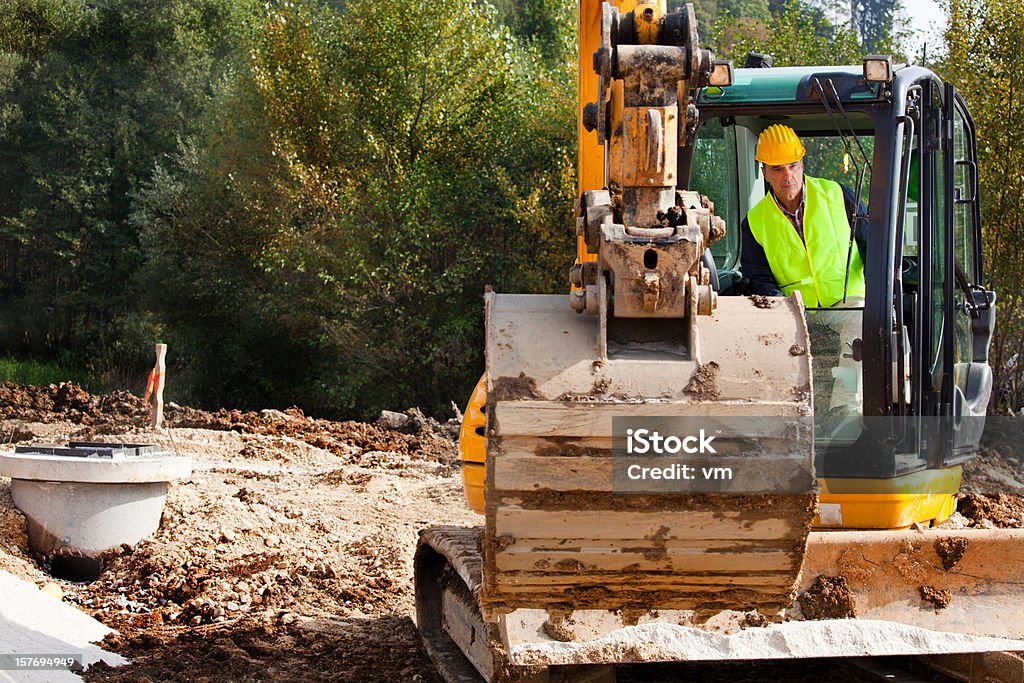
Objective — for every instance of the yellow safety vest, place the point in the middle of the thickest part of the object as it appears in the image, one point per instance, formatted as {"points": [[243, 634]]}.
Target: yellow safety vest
{"points": [[818, 269]]}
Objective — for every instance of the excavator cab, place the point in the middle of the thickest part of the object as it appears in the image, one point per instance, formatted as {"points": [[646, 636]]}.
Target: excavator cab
{"points": [[888, 441]]}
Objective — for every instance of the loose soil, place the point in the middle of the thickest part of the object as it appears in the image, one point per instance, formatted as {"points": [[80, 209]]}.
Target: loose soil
{"points": [[950, 551], [287, 555], [993, 483], [828, 598], [703, 386], [938, 597]]}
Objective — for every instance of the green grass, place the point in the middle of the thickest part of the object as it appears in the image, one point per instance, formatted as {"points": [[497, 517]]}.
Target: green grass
{"points": [[23, 371]]}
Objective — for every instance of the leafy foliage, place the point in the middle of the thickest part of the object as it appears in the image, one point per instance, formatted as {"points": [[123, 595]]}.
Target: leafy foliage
{"points": [[363, 179], [795, 36], [305, 199], [708, 12], [984, 61], [95, 96]]}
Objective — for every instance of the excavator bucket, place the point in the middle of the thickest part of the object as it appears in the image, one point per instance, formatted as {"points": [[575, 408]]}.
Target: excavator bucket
{"points": [[574, 519]]}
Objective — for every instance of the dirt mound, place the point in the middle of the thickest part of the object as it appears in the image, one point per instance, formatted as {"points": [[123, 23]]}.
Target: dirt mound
{"points": [[993, 481], [13, 537], [288, 553], [429, 441], [382, 649], [67, 401], [999, 464], [421, 437], [1004, 511]]}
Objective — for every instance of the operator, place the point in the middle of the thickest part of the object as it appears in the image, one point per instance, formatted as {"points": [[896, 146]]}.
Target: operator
{"points": [[798, 236]]}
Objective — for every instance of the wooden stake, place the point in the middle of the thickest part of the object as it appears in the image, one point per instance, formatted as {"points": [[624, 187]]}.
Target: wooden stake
{"points": [[155, 386]]}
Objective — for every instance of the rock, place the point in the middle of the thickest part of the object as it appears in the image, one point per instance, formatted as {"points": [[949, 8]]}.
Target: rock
{"points": [[233, 606], [54, 590], [393, 420]]}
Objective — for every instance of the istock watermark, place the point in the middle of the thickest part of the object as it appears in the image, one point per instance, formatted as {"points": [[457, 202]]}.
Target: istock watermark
{"points": [[678, 471], [644, 441], [741, 455]]}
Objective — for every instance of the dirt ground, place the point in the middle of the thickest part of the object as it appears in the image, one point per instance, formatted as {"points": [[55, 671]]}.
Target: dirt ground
{"points": [[287, 555]]}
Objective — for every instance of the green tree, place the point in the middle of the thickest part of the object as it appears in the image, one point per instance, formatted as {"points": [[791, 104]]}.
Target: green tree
{"points": [[352, 191], [984, 60], [30, 27], [746, 9], [548, 25], [708, 12], [796, 36], [97, 95], [874, 21]]}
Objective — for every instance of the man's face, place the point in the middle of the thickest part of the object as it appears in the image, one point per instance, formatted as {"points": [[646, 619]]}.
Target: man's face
{"points": [[787, 180]]}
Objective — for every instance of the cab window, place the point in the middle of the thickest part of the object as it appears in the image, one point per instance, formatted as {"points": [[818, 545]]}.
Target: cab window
{"points": [[714, 173]]}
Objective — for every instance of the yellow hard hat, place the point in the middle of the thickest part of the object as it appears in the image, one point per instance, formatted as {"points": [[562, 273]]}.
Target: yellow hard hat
{"points": [[779, 145]]}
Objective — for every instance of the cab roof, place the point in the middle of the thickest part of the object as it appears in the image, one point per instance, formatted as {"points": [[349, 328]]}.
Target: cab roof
{"points": [[793, 84]]}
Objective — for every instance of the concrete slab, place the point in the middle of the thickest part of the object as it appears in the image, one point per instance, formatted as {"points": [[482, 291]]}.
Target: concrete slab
{"points": [[35, 623]]}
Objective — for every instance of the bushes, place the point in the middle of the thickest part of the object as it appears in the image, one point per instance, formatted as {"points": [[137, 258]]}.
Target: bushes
{"points": [[351, 191], [94, 96], [984, 61]]}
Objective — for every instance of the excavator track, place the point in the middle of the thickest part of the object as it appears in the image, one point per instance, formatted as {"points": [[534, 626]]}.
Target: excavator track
{"points": [[447, 571], [463, 647], [588, 644]]}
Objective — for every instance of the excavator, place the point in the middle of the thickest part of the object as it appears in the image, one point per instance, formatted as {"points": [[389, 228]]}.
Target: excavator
{"points": [[672, 469]]}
